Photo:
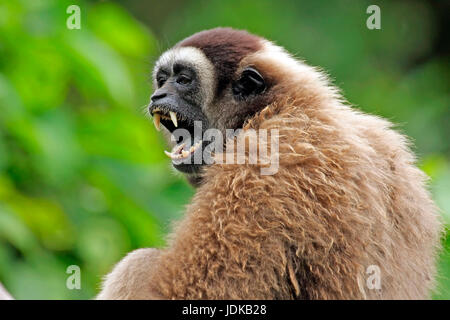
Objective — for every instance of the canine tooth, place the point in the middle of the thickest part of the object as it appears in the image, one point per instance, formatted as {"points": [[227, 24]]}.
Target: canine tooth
{"points": [[173, 116], [156, 121], [168, 154], [155, 110], [184, 153], [195, 146]]}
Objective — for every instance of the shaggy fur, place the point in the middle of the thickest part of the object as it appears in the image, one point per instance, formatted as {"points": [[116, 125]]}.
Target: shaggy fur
{"points": [[347, 195]]}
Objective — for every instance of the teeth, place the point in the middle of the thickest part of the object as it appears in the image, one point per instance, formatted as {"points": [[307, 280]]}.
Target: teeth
{"points": [[174, 156], [171, 155], [156, 121], [179, 153], [179, 148], [195, 146], [173, 116]]}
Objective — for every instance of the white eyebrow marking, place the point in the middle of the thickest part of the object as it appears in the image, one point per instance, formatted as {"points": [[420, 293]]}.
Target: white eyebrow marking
{"points": [[204, 68]]}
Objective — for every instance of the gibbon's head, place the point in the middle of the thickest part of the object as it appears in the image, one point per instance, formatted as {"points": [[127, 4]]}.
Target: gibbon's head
{"points": [[220, 78]]}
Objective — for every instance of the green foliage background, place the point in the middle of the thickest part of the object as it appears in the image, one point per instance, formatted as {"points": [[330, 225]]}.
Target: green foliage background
{"points": [[83, 177]]}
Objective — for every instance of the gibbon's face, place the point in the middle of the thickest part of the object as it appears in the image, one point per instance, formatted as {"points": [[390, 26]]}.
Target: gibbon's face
{"points": [[202, 80]]}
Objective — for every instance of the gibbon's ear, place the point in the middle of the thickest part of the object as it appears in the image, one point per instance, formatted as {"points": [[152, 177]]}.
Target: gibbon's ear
{"points": [[251, 82]]}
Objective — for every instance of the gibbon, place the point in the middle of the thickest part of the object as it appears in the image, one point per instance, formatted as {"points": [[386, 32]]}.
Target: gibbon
{"points": [[347, 196]]}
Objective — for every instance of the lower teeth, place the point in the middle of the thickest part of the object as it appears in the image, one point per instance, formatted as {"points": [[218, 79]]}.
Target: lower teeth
{"points": [[179, 153]]}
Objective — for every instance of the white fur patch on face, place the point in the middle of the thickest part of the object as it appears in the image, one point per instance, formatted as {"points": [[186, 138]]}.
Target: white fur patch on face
{"points": [[201, 64]]}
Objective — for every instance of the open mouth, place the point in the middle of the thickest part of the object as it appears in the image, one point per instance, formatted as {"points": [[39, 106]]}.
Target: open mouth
{"points": [[169, 119], [182, 154]]}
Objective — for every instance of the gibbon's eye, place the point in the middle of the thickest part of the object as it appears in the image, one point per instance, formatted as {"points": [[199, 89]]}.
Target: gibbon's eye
{"points": [[250, 82], [161, 79], [183, 79]]}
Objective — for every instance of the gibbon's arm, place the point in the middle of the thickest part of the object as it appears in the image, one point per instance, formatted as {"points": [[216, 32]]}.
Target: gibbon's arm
{"points": [[129, 278], [4, 295], [222, 249]]}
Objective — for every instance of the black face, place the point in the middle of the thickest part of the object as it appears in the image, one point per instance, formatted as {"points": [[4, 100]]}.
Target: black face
{"points": [[178, 102], [178, 92]]}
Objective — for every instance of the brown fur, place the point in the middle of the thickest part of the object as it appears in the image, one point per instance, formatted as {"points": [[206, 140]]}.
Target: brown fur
{"points": [[347, 195]]}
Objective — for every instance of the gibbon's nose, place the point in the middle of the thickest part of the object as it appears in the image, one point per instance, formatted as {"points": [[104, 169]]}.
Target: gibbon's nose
{"points": [[158, 95]]}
